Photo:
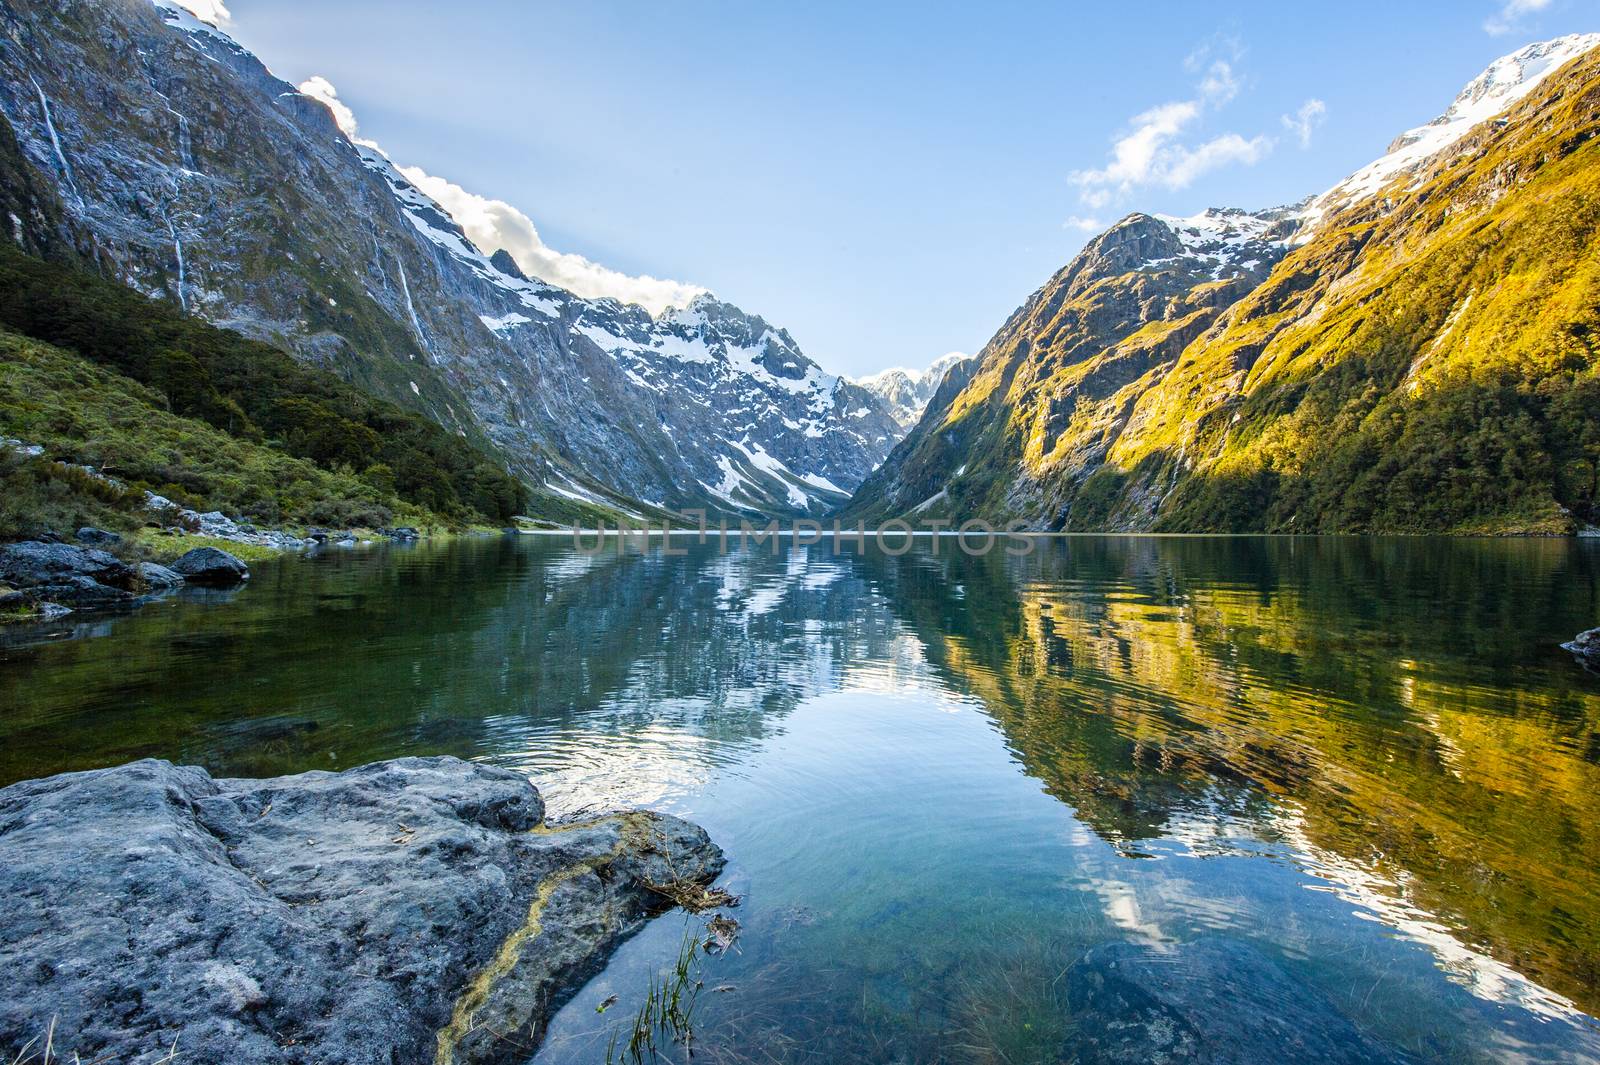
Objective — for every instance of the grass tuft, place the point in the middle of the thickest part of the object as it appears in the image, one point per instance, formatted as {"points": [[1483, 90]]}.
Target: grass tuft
{"points": [[41, 1050]]}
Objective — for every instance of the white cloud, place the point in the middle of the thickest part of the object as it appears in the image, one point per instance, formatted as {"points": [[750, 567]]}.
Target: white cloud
{"points": [[1303, 121], [1151, 152], [320, 88], [1511, 14], [1219, 85], [1188, 164], [495, 224], [1083, 225], [212, 11]]}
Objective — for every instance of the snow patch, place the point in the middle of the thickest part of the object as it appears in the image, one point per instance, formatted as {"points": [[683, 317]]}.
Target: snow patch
{"points": [[505, 323]]}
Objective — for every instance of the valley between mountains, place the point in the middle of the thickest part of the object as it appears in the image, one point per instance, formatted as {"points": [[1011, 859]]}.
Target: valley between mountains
{"points": [[1411, 351]]}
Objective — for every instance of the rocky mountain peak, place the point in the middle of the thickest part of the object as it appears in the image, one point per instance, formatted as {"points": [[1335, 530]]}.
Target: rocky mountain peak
{"points": [[1179, 375], [1218, 242], [501, 260]]}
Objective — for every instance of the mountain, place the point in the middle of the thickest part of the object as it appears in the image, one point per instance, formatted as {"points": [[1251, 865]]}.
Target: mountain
{"points": [[192, 173], [908, 392], [1072, 358], [1413, 350]]}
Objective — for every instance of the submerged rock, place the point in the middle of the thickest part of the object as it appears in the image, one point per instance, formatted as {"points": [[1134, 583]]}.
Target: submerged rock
{"points": [[1586, 645], [1217, 1001], [207, 565], [413, 910]]}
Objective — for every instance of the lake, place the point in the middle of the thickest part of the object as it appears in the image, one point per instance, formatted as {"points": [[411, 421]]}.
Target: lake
{"points": [[971, 802]]}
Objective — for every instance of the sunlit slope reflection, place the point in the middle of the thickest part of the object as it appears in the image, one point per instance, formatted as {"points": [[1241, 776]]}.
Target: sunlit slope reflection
{"points": [[1373, 704]]}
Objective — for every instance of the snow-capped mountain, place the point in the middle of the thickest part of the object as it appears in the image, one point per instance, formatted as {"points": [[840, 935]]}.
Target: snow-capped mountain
{"points": [[199, 176], [908, 392], [1505, 81], [755, 423]]}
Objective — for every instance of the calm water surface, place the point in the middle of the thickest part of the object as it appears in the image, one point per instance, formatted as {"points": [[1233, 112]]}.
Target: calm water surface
{"points": [[1363, 765]]}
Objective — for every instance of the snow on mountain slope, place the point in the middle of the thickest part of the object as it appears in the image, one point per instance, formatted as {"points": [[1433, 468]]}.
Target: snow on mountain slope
{"points": [[907, 392], [1504, 82], [1227, 240], [205, 179]]}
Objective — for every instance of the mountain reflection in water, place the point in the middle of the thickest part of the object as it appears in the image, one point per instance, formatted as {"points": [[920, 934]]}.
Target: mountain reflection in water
{"points": [[1220, 724]]}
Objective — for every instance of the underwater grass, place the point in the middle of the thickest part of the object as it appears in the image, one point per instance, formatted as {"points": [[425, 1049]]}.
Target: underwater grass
{"points": [[666, 1018]]}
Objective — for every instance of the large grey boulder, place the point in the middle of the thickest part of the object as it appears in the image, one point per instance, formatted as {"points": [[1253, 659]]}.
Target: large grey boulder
{"points": [[207, 565], [32, 562], [340, 917], [1215, 1001], [82, 592], [64, 573]]}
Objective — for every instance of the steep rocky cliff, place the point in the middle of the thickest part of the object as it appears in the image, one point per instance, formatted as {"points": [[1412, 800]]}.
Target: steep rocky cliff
{"points": [[1411, 351], [201, 177]]}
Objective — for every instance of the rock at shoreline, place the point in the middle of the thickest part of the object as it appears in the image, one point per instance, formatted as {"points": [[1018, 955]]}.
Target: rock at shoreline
{"points": [[32, 562], [216, 523], [47, 575], [349, 917], [18, 607], [1586, 645], [157, 577], [81, 592], [207, 565], [63, 573], [1217, 1001]]}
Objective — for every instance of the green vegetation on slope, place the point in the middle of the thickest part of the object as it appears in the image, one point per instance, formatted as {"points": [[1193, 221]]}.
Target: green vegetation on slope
{"points": [[254, 394], [84, 414], [1055, 385], [1450, 383]]}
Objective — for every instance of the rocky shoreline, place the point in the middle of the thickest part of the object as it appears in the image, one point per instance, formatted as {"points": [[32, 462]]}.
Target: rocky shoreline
{"points": [[414, 910], [47, 579], [42, 581], [216, 525]]}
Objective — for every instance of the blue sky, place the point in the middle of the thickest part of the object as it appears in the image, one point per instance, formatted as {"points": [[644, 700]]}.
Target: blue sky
{"points": [[887, 181]]}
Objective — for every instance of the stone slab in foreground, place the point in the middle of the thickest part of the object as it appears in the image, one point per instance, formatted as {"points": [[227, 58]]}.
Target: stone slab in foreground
{"points": [[407, 911]]}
